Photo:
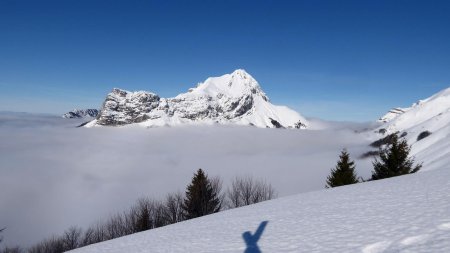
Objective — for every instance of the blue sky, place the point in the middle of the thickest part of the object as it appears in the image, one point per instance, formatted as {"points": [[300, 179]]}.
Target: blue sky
{"points": [[339, 60]]}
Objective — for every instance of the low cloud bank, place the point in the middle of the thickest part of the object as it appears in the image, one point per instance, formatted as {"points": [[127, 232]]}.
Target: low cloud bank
{"points": [[54, 175]]}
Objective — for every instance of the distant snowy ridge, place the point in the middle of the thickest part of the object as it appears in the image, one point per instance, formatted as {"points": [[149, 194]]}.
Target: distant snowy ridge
{"points": [[81, 113], [392, 114], [234, 98], [432, 112], [426, 126]]}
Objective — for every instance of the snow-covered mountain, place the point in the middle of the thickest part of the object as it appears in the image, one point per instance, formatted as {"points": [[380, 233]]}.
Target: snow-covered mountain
{"points": [[393, 113], [426, 125], [402, 214], [234, 98], [81, 113], [433, 108]]}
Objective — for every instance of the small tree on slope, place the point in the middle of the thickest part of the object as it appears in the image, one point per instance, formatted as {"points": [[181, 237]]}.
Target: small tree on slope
{"points": [[394, 160], [201, 199], [343, 173]]}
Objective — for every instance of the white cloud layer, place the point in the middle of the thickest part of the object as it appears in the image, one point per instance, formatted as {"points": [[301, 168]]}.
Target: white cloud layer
{"points": [[54, 175]]}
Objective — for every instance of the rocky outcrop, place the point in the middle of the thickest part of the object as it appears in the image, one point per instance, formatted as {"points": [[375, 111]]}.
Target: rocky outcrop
{"points": [[122, 107], [81, 113], [234, 98]]}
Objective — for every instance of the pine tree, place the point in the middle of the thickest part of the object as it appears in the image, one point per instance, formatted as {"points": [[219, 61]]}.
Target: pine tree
{"points": [[201, 199], [394, 160], [343, 173]]}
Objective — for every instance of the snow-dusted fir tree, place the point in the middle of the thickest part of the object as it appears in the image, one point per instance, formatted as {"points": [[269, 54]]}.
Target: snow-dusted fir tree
{"points": [[201, 198], [394, 160], [343, 173]]}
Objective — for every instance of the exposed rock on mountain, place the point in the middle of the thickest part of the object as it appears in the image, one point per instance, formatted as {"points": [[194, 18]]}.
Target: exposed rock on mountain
{"points": [[234, 98], [81, 113]]}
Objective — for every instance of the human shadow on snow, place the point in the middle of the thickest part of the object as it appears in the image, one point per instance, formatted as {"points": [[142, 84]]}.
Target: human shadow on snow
{"points": [[251, 240]]}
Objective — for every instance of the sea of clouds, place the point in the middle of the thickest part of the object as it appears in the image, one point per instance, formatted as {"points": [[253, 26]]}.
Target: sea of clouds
{"points": [[55, 175]]}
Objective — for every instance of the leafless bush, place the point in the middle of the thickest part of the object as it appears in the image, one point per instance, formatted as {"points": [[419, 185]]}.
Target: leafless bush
{"points": [[173, 211], [217, 185], [246, 191], [72, 238], [115, 227], [148, 214], [1, 230], [94, 234], [11, 250], [51, 245]]}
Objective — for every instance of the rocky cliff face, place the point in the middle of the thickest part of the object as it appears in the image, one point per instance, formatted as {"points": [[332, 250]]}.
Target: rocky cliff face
{"points": [[123, 107], [234, 98], [81, 113]]}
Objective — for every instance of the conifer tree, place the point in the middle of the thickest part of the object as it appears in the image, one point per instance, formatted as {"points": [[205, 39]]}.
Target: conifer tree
{"points": [[343, 173], [201, 198], [394, 160]]}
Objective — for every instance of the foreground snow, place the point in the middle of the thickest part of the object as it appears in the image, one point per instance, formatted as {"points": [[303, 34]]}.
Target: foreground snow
{"points": [[404, 214]]}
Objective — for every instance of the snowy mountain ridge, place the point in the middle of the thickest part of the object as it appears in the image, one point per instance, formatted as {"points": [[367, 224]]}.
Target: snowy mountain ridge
{"points": [[81, 113], [234, 98], [425, 108], [392, 114], [426, 126], [435, 108]]}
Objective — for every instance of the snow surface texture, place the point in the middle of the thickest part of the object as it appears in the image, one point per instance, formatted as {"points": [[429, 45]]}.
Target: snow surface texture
{"points": [[81, 113], [234, 98], [432, 115], [403, 214]]}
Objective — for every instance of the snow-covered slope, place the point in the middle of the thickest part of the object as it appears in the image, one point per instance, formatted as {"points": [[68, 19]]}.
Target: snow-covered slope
{"points": [[392, 114], [430, 115], [234, 98], [421, 112], [403, 214], [81, 113]]}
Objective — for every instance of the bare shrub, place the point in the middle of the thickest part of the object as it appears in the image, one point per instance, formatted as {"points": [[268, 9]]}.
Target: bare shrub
{"points": [[246, 191], [72, 238], [11, 250], [173, 208]]}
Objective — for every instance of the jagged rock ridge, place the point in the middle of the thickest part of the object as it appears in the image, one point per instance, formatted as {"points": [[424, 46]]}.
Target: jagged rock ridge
{"points": [[81, 113], [234, 98]]}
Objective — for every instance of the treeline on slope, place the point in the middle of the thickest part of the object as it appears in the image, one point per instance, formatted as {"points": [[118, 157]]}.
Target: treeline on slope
{"points": [[393, 160], [203, 196]]}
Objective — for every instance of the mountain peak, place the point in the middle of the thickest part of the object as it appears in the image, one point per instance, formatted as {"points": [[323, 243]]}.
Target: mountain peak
{"points": [[234, 98], [241, 73], [239, 83]]}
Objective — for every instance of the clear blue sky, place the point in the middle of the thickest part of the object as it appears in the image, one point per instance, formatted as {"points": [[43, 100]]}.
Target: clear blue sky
{"points": [[341, 60]]}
